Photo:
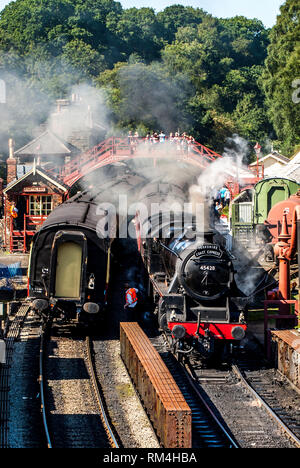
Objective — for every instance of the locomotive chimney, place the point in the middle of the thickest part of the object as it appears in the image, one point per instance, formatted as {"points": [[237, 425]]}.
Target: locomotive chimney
{"points": [[208, 228], [201, 208]]}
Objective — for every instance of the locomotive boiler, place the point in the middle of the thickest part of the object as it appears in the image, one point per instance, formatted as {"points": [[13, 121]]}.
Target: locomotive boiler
{"points": [[191, 273]]}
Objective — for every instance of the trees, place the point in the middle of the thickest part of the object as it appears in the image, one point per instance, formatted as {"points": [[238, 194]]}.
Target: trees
{"points": [[281, 70], [179, 67], [138, 31], [75, 31], [223, 59], [146, 96], [247, 39], [177, 16]]}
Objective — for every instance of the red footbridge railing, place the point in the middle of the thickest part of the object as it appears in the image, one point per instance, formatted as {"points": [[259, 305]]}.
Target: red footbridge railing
{"points": [[120, 149]]}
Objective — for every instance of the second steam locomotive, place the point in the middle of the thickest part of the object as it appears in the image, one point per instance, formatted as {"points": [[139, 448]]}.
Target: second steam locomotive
{"points": [[191, 275]]}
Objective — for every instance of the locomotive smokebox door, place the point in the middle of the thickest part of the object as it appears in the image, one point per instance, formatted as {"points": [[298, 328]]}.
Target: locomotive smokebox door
{"points": [[206, 273]]}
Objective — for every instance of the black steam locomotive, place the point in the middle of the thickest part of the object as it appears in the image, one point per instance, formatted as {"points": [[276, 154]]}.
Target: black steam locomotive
{"points": [[191, 274], [69, 270]]}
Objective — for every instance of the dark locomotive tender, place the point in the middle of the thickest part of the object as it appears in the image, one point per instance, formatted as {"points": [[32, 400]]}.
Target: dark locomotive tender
{"points": [[70, 259], [192, 275], [69, 262]]}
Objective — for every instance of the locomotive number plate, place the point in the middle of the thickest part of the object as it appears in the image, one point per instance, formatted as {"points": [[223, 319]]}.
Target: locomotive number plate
{"points": [[208, 267]]}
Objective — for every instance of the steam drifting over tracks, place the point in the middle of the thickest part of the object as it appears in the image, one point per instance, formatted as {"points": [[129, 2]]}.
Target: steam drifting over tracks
{"points": [[74, 413]]}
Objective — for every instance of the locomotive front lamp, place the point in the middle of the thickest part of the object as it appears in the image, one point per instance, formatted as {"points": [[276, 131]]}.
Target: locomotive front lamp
{"points": [[179, 332], [238, 333], [91, 308]]}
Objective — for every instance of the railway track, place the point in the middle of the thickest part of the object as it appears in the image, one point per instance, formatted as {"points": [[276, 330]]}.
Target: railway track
{"points": [[241, 401], [261, 386], [74, 414], [246, 411], [208, 429], [250, 399], [12, 331]]}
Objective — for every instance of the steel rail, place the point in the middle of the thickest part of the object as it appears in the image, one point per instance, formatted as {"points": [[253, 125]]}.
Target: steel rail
{"points": [[192, 381], [224, 431], [104, 417], [11, 333], [265, 405], [42, 390]]}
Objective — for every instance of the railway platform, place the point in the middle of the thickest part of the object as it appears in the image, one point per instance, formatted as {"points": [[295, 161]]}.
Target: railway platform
{"points": [[288, 354], [166, 406]]}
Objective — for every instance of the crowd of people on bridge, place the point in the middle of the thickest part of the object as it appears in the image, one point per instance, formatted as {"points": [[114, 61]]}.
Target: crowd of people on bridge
{"points": [[183, 142]]}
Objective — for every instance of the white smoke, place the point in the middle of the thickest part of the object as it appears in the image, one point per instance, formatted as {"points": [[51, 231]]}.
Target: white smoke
{"points": [[24, 109], [217, 173], [86, 110]]}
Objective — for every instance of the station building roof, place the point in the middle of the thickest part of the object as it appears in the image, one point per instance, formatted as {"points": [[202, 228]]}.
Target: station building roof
{"points": [[35, 174], [46, 144]]}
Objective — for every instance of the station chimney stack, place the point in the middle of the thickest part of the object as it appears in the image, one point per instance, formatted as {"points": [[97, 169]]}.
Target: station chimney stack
{"points": [[11, 163]]}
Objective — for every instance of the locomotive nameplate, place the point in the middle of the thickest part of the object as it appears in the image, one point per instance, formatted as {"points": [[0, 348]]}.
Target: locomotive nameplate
{"points": [[211, 250]]}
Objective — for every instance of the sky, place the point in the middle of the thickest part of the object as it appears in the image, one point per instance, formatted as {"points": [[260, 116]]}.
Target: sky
{"points": [[265, 10]]}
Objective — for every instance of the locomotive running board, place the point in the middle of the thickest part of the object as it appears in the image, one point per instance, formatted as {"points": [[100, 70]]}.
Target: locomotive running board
{"points": [[169, 412]]}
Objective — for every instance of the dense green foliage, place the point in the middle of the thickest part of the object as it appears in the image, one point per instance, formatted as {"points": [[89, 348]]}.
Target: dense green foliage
{"points": [[282, 70], [179, 68]]}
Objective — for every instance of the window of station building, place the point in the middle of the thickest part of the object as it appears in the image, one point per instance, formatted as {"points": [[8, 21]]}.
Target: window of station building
{"points": [[40, 205]]}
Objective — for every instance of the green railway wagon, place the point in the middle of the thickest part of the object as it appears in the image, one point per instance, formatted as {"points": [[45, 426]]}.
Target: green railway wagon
{"points": [[251, 207]]}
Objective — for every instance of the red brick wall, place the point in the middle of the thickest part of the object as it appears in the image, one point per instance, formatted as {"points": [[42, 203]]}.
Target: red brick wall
{"points": [[11, 170]]}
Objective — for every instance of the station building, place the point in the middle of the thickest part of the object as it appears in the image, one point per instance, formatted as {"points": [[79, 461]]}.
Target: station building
{"points": [[35, 195], [33, 183]]}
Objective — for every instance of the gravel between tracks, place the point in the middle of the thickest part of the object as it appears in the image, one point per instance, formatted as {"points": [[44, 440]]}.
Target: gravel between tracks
{"points": [[125, 409], [248, 422], [74, 418]]}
